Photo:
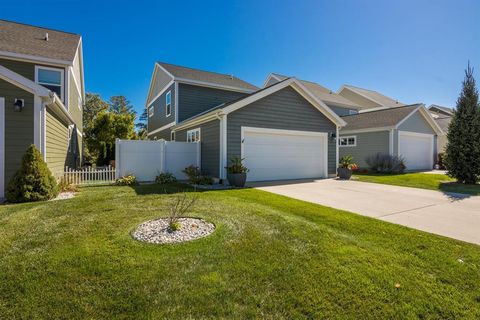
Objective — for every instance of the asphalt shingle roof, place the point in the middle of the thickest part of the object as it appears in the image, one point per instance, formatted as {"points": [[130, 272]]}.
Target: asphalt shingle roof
{"points": [[443, 122], [322, 93], [207, 76], [30, 40], [376, 96], [378, 118], [444, 109]]}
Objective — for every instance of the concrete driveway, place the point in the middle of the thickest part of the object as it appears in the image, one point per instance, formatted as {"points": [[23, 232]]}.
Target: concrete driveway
{"points": [[453, 216]]}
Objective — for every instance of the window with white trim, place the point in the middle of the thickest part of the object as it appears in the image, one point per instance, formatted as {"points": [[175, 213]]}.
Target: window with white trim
{"points": [[350, 141], [151, 111], [168, 103], [172, 136], [193, 135], [52, 79]]}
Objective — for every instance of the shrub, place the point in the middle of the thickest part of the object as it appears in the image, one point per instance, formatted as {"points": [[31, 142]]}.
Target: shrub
{"points": [[195, 176], [181, 204], [441, 164], [33, 181], [64, 185], [236, 166], [165, 177], [385, 163], [128, 180]]}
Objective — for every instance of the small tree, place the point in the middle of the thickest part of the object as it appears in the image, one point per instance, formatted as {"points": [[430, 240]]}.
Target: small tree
{"points": [[33, 181], [462, 154]]}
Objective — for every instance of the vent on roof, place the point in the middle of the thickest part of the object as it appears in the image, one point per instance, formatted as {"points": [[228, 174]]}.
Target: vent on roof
{"points": [[231, 76], [46, 36], [396, 101]]}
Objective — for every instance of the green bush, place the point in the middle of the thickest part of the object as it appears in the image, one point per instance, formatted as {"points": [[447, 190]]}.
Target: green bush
{"points": [[385, 163], [165, 177], [128, 180], [33, 181], [195, 176]]}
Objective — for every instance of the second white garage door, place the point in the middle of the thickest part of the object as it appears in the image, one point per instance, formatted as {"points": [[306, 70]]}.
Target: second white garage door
{"points": [[416, 149], [273, 154]]}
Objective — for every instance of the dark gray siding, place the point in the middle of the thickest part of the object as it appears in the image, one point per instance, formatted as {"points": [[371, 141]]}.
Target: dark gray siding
{"points": [[164, 134], [210, 146], [18, 127], [416, 123], [368, 143], [159, 82], [285, 109], [196, 99], [342, 111], [159, 118]]}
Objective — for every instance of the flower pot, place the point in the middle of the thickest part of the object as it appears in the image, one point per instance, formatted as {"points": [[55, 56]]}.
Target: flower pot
{"points": [[344, 173], [237, 179]]}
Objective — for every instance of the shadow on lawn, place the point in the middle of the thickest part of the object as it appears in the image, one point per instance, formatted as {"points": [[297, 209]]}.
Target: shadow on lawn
{"points": [[459, 190]]}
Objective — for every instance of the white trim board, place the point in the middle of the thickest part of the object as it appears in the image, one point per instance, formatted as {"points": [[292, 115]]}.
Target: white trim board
{"points": [[171, 124], [2, 148], [34, 59]]}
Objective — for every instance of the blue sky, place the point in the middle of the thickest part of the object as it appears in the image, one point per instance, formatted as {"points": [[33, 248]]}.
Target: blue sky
{"points": [[415, 51]]}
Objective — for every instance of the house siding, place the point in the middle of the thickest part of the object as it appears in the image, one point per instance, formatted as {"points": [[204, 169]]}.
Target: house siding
{"points": [[285, 109], [159, 118], [18, 127], [416, 123], [197, 99], [164, 134], [342, 111], [57, 146], [368, 143], [358, 99], [210, 146], [159, 82]]}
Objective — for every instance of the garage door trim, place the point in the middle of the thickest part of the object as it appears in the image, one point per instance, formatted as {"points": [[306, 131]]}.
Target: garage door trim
{"points": [[324, 135], [417, 134]]}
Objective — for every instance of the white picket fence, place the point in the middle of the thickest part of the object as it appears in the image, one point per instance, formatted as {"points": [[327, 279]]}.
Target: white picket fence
{"points": [[89, 175]]}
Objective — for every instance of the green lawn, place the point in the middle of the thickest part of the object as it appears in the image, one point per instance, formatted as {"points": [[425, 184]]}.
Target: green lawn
{"points": [[271, 257], [419, 180]]}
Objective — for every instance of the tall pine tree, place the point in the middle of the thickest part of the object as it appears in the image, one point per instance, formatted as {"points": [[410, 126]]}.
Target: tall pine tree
{"points": [[462, 155]]}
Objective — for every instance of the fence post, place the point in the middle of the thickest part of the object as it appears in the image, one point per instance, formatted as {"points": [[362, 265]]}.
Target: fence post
{"points": [[199, 155], [117, 158]]}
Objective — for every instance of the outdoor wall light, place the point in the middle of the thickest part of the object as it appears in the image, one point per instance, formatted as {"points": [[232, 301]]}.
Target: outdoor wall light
{"points": [[333, 135], [18, 105]]}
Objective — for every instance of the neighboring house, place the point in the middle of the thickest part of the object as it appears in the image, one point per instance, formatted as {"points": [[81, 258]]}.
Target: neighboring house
{"points": [[443, 117], [283, 131], [367, 99], [41, 97], [337, 103], [177, 93], [408, 131]]}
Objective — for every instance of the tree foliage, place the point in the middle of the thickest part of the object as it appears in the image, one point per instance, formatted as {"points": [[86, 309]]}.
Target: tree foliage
{"points": [[142, 125], [120, 105], [462, 155], [33, 181]]}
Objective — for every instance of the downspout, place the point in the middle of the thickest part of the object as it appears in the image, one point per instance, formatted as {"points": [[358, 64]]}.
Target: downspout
{"points": [[221, 118]]}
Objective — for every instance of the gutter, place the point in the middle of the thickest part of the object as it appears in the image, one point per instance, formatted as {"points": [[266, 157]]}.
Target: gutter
{"points": [[54, 103]]}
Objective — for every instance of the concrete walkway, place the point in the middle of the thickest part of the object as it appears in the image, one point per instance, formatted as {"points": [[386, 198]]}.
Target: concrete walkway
{"points": [[451, 215]]}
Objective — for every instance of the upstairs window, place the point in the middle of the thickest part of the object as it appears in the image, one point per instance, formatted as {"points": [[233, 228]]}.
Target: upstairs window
{"points": [[168, 103], [52, 79], [151, 111], [350, 141], [193, 135]]}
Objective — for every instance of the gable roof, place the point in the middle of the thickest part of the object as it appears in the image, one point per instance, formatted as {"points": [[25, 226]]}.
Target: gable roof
{"points": [[184, 73], [373, 96], [445, 110], [321, 92], [226, 108], [378, 118], [443, 122], [22, 39]]}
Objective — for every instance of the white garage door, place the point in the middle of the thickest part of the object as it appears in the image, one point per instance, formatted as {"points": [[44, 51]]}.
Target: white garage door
{"points": [[273, 154], [417, 149]]}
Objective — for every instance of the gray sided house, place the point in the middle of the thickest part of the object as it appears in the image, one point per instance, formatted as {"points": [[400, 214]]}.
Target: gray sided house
{"points": [[443, 116], [41, 97], [367, 99], [407, 131], [282, 131], [177, 93]]}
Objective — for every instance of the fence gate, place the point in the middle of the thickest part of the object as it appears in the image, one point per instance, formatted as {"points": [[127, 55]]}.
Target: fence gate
{"points": [[89, 175]]}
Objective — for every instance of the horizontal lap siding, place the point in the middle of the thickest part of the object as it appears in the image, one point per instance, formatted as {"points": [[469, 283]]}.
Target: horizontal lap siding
{"points": [[210, 146], [368, 143], [57, 145], [285, 109], [416, 123], [18, 127], [164, 134], [196, 99], [159, 118]]}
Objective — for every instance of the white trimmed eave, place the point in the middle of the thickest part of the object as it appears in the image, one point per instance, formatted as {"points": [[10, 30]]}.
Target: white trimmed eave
{"points": [[364, 130], [33, 58], [156, 67], [427, 116], [54, 103], [212, 115], [212, 85], [358, 93], [271, 75]]}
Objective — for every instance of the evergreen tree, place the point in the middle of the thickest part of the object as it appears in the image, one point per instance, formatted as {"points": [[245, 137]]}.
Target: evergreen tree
{"points": [[142, 125], [33, 181], [120, 105], [462, 154]]}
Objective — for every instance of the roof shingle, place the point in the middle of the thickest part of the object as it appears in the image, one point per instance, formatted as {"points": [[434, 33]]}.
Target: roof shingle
{"points": [[30, 40], [207, 76], [378, 118], [375, 96]]}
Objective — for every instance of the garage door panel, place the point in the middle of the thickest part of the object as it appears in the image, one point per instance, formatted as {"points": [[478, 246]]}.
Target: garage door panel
{"points": [[274, 155], [417, 150]]}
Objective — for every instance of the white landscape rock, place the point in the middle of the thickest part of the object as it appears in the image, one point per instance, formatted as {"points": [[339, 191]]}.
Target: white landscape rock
{"points": [[64, 196], [157, 231]]}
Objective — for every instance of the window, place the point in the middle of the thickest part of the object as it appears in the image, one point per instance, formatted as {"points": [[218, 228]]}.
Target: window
{"points": [[151, 111], [348, 141], [168, 103], [350, 112], [193, 135], [172, 136], [50, 78]]}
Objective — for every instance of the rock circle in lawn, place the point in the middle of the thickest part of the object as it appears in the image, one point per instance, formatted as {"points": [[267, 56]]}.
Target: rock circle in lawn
{"points": [[157, 231]]}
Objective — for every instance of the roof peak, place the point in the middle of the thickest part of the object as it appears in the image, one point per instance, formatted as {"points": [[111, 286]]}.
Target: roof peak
{"points": [[40, 27], [197, 69], [384, 109]]}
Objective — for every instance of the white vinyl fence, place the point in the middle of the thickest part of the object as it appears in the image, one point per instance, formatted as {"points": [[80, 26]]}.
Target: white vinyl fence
{"points": [[146, 158], [89, 175]]}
